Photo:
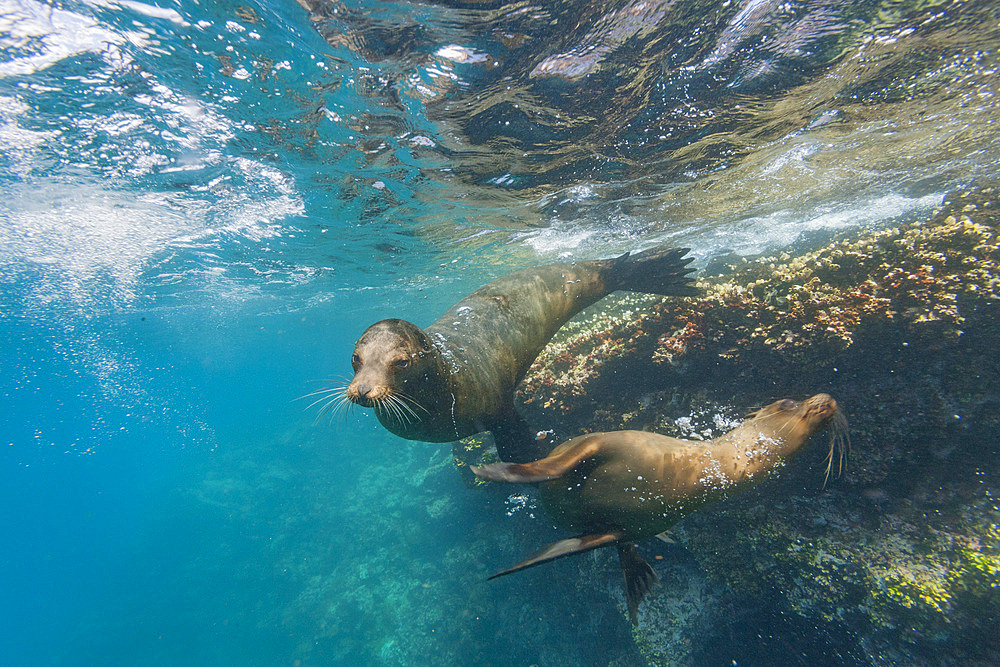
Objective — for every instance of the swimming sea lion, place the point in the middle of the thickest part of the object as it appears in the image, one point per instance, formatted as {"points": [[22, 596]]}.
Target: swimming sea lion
{"points": [[621, 486], [457, 377]]}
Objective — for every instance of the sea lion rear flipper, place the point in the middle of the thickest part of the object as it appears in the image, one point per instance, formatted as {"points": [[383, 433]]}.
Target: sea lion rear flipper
{"points": [[573, 545], [659, 270], [514, 439], [551, 467], [639, 578]]}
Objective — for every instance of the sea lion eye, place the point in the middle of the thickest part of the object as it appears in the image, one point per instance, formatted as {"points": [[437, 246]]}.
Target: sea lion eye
{"points": [[787, 404], [355, 360]]}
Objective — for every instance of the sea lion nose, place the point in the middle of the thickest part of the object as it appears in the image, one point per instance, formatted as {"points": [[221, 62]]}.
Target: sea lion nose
{"points": [[824, 404], [358, 391]]}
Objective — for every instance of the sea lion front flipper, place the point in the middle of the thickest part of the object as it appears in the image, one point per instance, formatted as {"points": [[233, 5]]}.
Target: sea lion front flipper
{"points": [[573, 545], [514, 439], [639, 578], [551, 467]]}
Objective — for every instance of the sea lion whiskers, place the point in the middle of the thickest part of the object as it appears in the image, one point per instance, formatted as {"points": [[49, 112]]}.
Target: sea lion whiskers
{"points": [[839, 430], [410, 413], [336, 405], [330, 397], [405, 411], [840, 442], [324, 390], [392, 405], [324, 395], [334, 398], [343, 383], [383, 405], [783, 431], [411, 402], [381, 409], [402, 409]]}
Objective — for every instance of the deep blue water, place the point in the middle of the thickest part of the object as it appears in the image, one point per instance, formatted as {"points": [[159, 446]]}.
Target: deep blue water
{"points": [[204, 204]]}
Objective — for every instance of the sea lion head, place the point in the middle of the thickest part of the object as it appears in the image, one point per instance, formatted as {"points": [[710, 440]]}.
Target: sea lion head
{"points": [[390, 360], [794, 422], [802, 418]]}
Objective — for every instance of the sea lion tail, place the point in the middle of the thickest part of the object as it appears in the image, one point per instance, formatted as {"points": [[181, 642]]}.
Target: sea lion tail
{"points": [[659, 270], [560, 549], [639, 578]]}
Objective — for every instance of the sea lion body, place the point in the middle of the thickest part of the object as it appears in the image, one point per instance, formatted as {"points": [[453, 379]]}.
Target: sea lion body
{"points": [[457, 377], [622, 486], [640, 483]]}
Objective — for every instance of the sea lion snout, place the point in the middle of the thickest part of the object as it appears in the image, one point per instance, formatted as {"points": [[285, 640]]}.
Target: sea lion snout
{"points": [[358, 393], [821, 407], [365, 394]]}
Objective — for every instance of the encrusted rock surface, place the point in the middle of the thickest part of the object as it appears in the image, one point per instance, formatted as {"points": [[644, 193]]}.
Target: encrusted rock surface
{"points": [[898, 560]]}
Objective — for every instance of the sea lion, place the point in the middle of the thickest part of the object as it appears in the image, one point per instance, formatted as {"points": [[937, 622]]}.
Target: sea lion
{"points": [[457, 377], [621, 486]]}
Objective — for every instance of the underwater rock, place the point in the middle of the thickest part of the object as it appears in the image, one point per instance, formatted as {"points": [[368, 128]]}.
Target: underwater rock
{"points": [[776, 321], [899, 559]]}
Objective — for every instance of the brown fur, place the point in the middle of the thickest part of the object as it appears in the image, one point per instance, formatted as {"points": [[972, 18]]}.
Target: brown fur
{"points": [[457, 377], [622, 486]]}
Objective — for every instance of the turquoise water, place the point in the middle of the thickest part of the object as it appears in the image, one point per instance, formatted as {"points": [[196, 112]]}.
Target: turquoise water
{"points": [[204, 204]]}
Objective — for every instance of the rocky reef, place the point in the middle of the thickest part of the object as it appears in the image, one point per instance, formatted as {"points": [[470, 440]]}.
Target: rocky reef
{"points": [[896, 561]]}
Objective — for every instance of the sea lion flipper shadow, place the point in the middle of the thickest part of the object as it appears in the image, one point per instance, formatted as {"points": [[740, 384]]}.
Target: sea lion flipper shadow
{"points": [[552, 466], [515, 440], [639, 577], [562, 548]]}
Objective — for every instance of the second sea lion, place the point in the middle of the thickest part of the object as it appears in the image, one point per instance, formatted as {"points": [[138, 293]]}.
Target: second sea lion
{"points": [[622, 486], [457, 377]]}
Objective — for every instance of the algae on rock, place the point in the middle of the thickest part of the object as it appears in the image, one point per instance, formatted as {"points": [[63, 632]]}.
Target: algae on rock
{"points": [[900, 558]]}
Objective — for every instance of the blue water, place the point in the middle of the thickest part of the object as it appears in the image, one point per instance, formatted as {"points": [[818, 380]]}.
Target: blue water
{"points": [[204, 204]]}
